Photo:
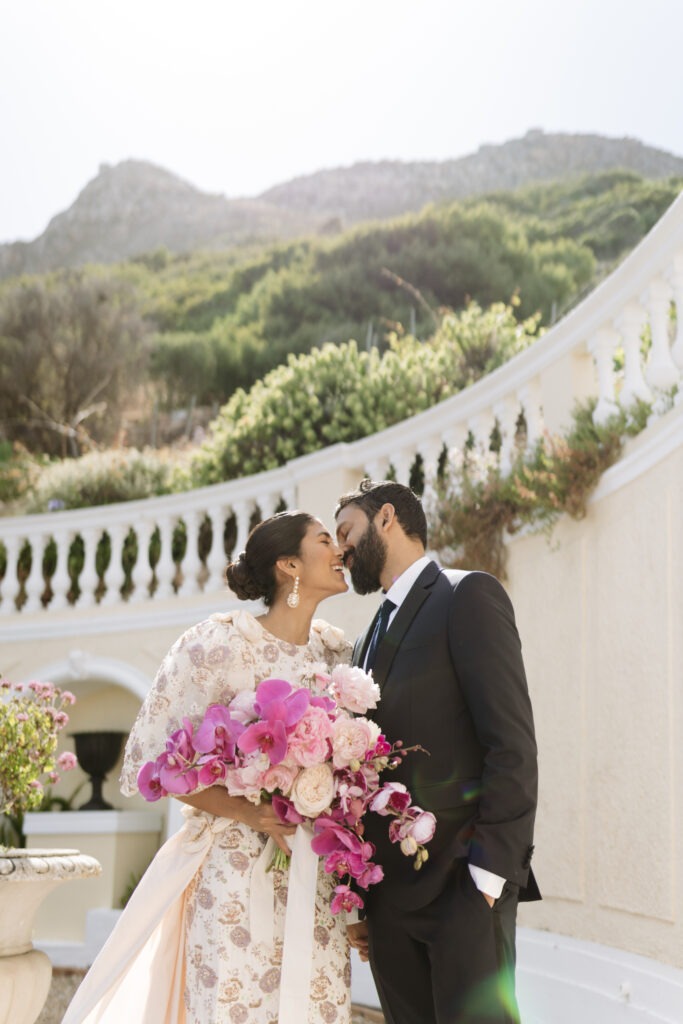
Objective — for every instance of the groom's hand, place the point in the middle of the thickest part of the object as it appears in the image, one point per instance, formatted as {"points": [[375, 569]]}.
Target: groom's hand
{"points": [[358, 938]]}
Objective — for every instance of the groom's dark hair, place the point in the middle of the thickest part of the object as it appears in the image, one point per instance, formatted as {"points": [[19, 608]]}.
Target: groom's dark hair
{"points": [[370, 497]]}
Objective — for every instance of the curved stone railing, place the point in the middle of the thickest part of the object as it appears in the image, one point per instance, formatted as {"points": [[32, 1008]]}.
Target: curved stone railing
{"points": [[159, 547]]}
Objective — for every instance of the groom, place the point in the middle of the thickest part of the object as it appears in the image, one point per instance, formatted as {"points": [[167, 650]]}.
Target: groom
{"points": [[445, 652]]}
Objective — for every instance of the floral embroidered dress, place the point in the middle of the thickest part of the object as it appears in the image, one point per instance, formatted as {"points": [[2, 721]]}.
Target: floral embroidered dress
{"points": [[182, 952]]}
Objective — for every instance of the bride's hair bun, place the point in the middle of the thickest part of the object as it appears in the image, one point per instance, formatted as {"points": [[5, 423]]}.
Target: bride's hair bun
{"points": [[252, 575], [241, 580]]}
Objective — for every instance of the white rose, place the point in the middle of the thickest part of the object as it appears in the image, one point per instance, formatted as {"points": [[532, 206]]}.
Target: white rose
{"points": [[350, 741], [313, 790]]}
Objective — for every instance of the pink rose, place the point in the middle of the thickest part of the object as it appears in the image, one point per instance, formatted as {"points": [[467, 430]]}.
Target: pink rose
{"points": [[280, 777], [350, 741], [308, 742], [248, 780], [354, 689]]}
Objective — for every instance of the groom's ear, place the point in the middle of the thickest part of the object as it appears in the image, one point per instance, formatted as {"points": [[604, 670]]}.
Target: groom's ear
{"points": [[386, 516]]}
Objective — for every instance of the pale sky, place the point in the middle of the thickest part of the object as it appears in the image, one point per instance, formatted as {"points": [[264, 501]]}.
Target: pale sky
{"points": [[237, 96]]}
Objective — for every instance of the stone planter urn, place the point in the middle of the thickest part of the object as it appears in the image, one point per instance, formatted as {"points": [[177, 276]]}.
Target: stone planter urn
{"points": [[26, 878]]}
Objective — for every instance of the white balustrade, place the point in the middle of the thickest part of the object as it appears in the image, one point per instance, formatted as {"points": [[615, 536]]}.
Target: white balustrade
{"points": [[630, 324], [506, 412], [637, 295], [661, 372], [192, 563], [60, 582], [9, 582], [602, 347], [141, 573], [115, 575], [35, 584], [88, 579], [529, 397], [677, 283], [165, 569]]}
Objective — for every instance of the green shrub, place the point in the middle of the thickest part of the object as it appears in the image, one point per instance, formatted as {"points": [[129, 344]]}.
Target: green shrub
{"points": [[101, 478], [340, 393]]}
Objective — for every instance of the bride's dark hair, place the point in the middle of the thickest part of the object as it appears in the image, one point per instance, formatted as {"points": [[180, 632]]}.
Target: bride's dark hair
{"points": [[252, 575]]}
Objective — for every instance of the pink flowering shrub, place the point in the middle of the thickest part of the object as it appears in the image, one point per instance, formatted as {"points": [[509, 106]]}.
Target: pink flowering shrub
{"points": [[31, 716]]}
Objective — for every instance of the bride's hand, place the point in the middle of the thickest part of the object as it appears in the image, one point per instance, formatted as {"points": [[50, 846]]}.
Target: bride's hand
{"points": [[262, 818]]}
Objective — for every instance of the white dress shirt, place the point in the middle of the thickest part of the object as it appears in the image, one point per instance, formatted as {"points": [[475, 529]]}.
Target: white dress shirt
{"points": [[485, 881]]}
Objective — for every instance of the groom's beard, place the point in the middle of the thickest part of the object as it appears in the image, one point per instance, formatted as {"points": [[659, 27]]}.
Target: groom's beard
{"points": [[369, 558]]}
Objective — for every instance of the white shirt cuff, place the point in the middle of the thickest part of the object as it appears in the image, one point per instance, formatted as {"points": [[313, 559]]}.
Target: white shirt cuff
{"points": [[486, 881]]}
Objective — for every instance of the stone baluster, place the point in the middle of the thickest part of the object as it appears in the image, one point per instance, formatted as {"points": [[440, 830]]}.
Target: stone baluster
{"points": [[115, 575], [216, 560], [661, 371], [9, 584], [630, 326], [529, 396], [35, 584], [268, 503], [289, 496], [677, 349], [141, 572], [88, 579], [480, 426], [165, 569], [60, 584], [402, 462], [377, 469], [506, 412], [430, 450], [243, 511], [192, 563], [602, 346]]}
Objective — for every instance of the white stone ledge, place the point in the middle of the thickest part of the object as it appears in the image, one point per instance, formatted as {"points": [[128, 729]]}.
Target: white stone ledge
{"points": [[91, 822]]}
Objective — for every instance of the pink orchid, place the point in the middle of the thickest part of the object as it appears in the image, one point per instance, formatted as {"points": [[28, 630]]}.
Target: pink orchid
{"points": [[393, 797], [218, 732], [149, 783], [268, 737], [345, 899], [274, 695], [286, 811], [212, 770]]}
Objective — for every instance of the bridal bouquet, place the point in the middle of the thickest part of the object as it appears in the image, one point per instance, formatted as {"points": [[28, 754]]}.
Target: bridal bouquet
{"points": [[314, 758]]}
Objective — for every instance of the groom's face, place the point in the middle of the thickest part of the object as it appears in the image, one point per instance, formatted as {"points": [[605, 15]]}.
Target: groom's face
{"points": [[363, 549]]}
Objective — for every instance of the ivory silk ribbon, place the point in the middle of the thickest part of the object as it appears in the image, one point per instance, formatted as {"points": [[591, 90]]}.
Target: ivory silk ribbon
{"points": [[297, 955]]}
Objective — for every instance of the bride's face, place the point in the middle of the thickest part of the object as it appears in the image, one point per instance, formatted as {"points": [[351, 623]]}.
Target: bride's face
{"points": [[321, 566]]}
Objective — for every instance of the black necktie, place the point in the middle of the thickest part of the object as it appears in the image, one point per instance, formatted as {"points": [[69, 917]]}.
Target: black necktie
{"points": [[378, 632]]}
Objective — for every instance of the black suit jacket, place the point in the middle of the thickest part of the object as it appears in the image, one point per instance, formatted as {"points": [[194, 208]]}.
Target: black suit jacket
{"points": [[452, 679]]}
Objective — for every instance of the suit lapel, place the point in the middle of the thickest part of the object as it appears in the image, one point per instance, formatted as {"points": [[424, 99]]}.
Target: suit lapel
{"points": [[417, 595]]}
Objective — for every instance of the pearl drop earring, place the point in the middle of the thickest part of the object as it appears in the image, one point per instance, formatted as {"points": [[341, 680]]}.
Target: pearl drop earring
{"points": [[293, 597]]}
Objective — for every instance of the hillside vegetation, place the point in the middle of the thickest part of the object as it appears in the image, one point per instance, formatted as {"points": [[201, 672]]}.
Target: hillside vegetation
{"points": [[79, 349]]}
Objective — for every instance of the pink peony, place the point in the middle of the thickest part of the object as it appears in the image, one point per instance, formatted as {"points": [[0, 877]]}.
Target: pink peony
{"points": [[354, 689], [248, 779], [66, 761], [308, 742], [350, 741]]}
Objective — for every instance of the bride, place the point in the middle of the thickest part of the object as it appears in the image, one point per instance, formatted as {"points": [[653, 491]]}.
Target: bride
{"points": [[189, 948]]}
